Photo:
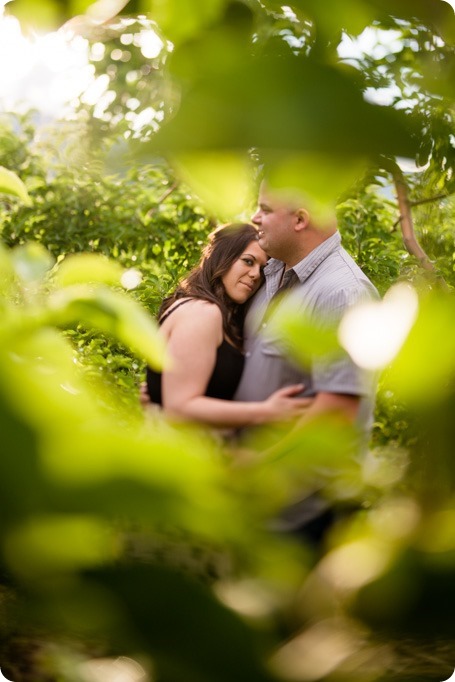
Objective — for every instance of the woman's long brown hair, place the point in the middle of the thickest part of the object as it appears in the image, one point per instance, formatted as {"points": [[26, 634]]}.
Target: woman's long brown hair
{"points": [[226, 245]]}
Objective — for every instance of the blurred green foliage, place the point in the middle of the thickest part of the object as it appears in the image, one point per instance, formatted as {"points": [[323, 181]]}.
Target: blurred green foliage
{"points": [[125, 535], [144, 217]]}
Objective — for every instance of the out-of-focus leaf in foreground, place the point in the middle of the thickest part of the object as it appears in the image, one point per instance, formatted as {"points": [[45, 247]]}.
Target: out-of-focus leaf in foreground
{"points": [[299, 334], [36, 547], [51, 14], [88, 267], [10, 183], [182, 19], [233, 101], [158, 609], [32, 262], [111, 312], [425, 367], [223, 179], [373, 332]]}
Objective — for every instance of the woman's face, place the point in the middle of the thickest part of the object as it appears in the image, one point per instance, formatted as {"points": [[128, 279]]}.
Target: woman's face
{"points": [[244, 277]]}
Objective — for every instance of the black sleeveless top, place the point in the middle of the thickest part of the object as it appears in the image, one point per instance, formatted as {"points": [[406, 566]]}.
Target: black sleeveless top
{"points": [[225, 376]]}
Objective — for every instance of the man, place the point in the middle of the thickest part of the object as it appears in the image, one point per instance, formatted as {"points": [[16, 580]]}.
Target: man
{"points": [[322, 281]]}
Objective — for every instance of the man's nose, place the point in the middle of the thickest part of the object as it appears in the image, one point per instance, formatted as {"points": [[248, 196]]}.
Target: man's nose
{"points": [[256, 219]]}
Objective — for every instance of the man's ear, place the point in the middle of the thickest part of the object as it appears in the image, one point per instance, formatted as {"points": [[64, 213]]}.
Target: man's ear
{"points": [[303, 219]]}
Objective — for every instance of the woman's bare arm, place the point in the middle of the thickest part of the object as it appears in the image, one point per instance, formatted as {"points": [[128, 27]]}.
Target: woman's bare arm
{"points": [[193, 334]]}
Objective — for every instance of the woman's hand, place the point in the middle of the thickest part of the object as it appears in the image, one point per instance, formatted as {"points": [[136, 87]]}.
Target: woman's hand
{"points": [[283, 404], [144, 397]]}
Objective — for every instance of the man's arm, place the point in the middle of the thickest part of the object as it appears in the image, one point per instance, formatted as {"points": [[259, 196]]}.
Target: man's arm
{"points": [[347, 406]]}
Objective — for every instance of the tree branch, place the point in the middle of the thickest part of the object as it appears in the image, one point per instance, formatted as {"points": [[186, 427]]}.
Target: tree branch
{"points": [[162, 198], [418, 202], [407, 226]]}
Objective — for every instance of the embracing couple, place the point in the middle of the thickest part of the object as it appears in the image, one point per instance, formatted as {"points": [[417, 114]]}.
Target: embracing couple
{"points": [[224, 372]]}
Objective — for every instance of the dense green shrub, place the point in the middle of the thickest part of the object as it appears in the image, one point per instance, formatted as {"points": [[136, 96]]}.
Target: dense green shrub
{"points": [[142, 214]]}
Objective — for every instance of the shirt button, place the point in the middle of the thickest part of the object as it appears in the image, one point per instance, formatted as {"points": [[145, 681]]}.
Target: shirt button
{"points": [[247, 354]]}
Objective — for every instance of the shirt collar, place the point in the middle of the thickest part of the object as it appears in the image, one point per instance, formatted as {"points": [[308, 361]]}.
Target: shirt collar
{"points": [[304, 268]]}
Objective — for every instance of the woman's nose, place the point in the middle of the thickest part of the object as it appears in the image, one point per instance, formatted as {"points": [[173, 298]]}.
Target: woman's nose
{"points": [[255, 272]]}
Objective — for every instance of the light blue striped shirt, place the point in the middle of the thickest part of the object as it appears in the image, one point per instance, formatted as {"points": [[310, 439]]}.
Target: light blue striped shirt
{"points": [[329, 281]]}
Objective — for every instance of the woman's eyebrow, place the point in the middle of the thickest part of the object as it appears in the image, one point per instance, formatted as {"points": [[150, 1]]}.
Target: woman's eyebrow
{"points": [[250, 255]]}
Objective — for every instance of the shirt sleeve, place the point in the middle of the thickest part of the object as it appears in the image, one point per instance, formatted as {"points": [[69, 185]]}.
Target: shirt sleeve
{"points": [[338, 373]]}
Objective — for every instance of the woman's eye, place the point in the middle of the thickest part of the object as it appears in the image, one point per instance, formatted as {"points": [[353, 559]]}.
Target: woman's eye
{"points": [[248, 261]]}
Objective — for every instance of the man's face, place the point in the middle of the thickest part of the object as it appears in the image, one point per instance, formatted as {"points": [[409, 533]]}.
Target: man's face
{"points": [[276, 223]]}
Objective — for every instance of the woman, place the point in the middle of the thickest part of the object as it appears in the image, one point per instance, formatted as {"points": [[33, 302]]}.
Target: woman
{"points": [[202, 323]]}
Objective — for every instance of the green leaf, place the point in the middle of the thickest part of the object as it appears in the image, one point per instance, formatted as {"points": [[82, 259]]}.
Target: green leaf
{"points": [[41, 379], [300, 335], [111, 312], [19, 468], [182, 19], [31, 262], [7, 273], [295, 110], [50, 14], [309, 172], [424, 370], [282, 102], [45, 16], [37, 547], [332, 17], [88, 267], [10, 183], [222, 179]]}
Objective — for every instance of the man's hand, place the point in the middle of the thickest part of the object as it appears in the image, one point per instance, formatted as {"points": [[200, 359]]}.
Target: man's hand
{"points": [[347, 406]]}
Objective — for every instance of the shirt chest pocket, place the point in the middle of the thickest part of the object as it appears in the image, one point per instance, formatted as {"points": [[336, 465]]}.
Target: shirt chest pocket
{"points": [[273, 348]]}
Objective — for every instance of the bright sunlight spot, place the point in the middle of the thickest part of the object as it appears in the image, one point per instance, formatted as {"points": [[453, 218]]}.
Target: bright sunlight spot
{"points": [[151, 44], [374, 332], [120, 669], [373, 41], [355, 564], [44, 72], [50, 72], [131, 279], [316, 652]]}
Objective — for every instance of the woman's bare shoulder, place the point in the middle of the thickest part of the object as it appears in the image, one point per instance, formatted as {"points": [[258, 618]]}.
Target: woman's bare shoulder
{"points": [[195, 309], [194, 325]]}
